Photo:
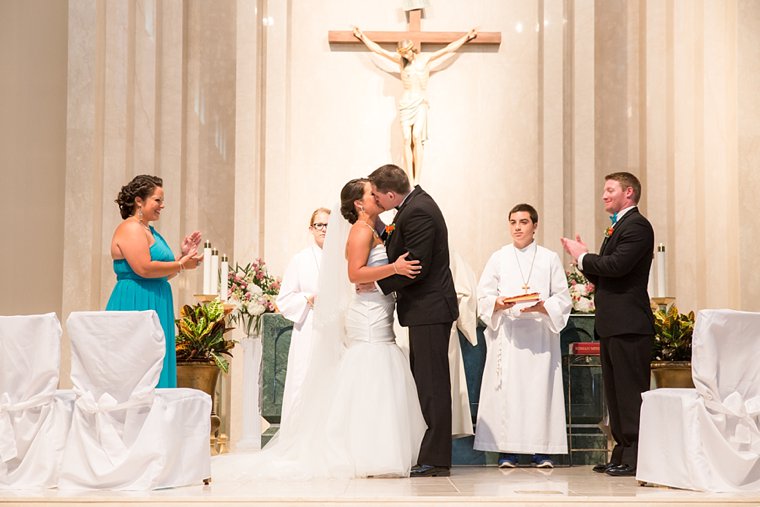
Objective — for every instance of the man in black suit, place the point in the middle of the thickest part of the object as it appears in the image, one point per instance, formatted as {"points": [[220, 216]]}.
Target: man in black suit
{"points": [[427, 305], [624, 322]]}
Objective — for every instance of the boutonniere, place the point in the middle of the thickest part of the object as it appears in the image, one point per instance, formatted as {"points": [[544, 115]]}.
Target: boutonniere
{"points": [[389, 229], [608, 231]]}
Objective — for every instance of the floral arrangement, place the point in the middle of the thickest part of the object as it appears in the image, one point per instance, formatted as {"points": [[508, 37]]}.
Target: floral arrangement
{"points": [[253, 291], [608, 231], [581, 291], [200, 336]]}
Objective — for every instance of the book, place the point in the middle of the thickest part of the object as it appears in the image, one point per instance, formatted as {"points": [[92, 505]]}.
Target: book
{"points": [[523, 298], [584, 348]]}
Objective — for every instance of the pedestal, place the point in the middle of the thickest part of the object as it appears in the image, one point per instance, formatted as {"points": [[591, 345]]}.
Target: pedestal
{"points": [[251, 425]]}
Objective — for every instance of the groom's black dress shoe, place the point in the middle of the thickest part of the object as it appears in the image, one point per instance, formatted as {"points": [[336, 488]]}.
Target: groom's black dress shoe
{"points": [[603, 467], [429, 471], [622, 471]]}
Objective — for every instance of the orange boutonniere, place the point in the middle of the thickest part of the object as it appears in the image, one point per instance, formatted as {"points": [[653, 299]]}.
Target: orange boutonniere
{"points": [[608, 232], [389, 229]]}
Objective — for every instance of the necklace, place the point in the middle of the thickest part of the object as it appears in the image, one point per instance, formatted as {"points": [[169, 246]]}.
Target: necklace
{"points": [[526, 283], [147, 227]]}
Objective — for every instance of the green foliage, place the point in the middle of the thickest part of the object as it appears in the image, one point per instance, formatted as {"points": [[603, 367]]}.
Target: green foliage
{"points": [[201, 330], [673, 333]]}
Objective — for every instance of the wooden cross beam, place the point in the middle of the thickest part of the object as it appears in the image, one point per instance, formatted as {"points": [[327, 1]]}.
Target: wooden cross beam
{"points": [[413, 33]]}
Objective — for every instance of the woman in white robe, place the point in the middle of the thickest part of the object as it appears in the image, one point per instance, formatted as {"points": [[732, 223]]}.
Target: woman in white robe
{"points": [[522, 406], [296, 302]]}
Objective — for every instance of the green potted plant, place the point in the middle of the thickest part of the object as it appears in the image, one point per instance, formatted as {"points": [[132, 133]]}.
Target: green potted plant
{"points": [[671, 352], [200, 337], [201, 346]]}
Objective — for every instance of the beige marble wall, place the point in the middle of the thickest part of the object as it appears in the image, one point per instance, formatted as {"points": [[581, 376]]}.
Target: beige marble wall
{"points": [[748, 153], [33, 38]]}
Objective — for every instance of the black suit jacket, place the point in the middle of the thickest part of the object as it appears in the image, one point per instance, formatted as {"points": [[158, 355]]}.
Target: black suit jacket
{"points": [[621, 273], [419, 228]]}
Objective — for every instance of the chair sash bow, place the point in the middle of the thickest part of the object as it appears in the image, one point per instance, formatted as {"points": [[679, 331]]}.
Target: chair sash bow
{"points": [[8, 450]]}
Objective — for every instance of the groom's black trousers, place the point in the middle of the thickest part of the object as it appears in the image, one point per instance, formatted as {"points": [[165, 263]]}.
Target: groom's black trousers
{"points": [[429, 356]]}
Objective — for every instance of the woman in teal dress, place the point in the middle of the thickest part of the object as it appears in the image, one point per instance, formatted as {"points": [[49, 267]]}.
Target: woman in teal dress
{"points": [[144, 263]]}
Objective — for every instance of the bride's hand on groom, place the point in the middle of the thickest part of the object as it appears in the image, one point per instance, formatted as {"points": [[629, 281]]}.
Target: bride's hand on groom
{"points": [[407, 267]]}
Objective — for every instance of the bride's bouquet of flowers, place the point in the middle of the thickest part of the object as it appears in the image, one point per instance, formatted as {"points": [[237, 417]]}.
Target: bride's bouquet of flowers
{"points": [[253, 291], [581, 291]]}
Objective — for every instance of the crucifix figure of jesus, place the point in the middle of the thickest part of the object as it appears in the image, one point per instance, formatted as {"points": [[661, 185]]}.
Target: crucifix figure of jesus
{"points": [[415, 68]]}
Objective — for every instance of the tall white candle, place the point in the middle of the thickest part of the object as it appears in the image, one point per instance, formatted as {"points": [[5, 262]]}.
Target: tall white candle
{"points": [[207, 267], [661, 276], [225, 279], [214, 272]]}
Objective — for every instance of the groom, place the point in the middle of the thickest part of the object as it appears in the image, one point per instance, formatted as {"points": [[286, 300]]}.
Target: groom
{"points": [[427, 305]]}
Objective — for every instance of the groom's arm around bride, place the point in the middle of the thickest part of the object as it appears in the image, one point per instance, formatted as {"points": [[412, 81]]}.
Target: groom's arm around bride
{"points": [[427, 305]]}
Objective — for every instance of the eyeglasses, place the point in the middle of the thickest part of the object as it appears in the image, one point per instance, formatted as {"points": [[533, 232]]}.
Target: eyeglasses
{"points": [[319, 225]]}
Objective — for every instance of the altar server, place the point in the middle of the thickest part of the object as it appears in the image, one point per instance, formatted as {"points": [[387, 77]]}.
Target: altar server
{"points": [[296, 303], [522, 406]]}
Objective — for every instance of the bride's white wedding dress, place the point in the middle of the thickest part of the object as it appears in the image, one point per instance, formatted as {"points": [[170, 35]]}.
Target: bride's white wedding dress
{"points": [[375, 425], [359, 414]]}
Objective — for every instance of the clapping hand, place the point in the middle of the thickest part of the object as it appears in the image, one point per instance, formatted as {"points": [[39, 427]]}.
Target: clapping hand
{"points": [[574, 247], [190, 243]]}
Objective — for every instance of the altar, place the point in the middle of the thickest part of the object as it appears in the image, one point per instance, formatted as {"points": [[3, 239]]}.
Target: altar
{"points": [[583, 403]]}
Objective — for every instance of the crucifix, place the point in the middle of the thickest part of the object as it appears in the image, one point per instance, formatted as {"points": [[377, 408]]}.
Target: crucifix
{"points": [[415, 71]]}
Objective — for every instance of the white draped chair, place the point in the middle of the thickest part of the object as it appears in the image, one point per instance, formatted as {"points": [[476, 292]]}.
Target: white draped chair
{"points": [[125, 433], [34, 416], [707, 438]]}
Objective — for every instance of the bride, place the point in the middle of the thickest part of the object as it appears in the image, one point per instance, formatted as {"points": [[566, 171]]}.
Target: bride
{"points": [[358, 414]]}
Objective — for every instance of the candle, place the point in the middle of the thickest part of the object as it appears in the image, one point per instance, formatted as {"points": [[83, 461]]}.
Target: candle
{"points": [[661, 277], [225, 278], [214, 272], [207, 267]]}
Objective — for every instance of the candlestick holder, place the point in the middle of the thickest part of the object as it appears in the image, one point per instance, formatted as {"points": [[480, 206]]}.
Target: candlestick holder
{"points": [[663, 302]]}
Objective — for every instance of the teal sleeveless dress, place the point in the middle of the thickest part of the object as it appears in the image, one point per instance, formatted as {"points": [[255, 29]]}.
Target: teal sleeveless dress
{"points": [[133, 292]]}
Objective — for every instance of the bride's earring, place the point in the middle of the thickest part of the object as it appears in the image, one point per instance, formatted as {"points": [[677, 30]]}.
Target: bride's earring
{"points": [[361, 209], [139, 215]]}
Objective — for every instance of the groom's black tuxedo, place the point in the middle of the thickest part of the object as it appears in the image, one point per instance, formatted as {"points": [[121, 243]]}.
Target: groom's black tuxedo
{"points": [[419, 228], [427, 305], [624, 325]]}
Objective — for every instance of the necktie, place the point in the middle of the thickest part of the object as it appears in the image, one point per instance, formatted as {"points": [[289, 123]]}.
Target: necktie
{"points": [[613, 218]]}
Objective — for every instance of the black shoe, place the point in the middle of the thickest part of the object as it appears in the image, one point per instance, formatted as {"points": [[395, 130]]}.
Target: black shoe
{"points": [[622, 471], [429, 471], [603, 467]]}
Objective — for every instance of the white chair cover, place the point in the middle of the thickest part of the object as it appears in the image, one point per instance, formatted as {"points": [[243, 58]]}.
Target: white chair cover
{"points": [[125, 433], [34, 417], [707, 438]]}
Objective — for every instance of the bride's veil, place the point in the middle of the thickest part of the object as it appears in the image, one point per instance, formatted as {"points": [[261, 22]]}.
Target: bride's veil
{"points": [[299, 450], [328, 334]]}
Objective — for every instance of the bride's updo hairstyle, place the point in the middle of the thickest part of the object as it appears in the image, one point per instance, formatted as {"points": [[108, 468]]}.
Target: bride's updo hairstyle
{"points": [[141, 186], [352, 191]]}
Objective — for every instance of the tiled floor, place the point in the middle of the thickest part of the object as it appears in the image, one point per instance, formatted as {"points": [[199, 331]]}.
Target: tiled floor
{"points": [[466, 486]]}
